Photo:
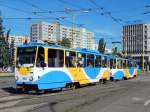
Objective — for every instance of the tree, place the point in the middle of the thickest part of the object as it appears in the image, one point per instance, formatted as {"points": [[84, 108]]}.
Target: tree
{"points": [[114, 50], [4, 47], [65, 42], [101, 45], [12, 55], [120, 54]]}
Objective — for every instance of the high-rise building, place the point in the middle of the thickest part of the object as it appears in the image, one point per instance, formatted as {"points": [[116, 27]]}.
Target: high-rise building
{"points": [[136, 43], [18, 39], [79, 37], [44, 31]]}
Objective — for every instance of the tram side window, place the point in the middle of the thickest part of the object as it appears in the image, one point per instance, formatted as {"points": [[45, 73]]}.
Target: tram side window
{"points": [[71, 59], [119, 64], [133, 64], [51, 57], [61, 58], [124, 63], [81, 60], [90, 60], [98, 61], [55, 58], [114, 65], [108, 62], [40, 57], [136, 65], [104, 61], [111, 63], [129, 64]]}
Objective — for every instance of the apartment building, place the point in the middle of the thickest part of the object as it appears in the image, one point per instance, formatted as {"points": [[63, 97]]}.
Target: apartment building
{"points": [[136, 43], [79, 37], [18, 39]]}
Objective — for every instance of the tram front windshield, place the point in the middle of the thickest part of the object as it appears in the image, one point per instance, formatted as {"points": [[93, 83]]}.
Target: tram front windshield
{"points": [[25, 56]]}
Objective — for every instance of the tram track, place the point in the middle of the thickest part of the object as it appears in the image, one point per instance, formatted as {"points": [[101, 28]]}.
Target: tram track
{"points": [[20, 100], [29, 96], [4, 94], [13, 101], [73, 100]]}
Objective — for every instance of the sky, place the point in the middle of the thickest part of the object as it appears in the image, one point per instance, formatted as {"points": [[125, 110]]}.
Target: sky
{"points": [[105, 19]]}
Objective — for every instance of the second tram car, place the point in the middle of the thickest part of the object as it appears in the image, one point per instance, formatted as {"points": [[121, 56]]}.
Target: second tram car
{"points": [[123, 68]]}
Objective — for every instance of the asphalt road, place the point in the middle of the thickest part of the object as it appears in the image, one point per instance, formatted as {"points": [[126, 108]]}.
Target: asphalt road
{"points": [[123, 96]]}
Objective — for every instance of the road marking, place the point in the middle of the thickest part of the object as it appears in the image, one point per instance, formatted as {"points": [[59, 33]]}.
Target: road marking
{"points": [[137, 99], [23, 108], [8, 98], [147, 103], [9, 104]]}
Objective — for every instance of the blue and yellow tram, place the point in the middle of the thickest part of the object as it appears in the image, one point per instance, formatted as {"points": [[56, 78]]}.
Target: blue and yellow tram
{"points": [[44, 66], [123, 68]]}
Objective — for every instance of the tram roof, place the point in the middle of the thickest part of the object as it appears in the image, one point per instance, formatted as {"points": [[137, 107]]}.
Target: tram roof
{"points": [[40, 44], [82, 50]]}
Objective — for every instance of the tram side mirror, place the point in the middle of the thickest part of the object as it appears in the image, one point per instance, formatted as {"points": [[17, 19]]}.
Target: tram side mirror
{"points": [[43, 64]]}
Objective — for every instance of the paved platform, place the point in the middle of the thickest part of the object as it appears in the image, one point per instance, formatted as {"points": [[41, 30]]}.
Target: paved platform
{"points": [[6, 74]]}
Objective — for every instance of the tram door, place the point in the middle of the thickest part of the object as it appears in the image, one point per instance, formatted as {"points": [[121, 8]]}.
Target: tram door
{"points": [[40, 61]]}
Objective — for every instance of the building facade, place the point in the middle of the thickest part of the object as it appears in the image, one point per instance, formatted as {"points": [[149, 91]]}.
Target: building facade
{"points": [[18, 39], [79, 37], [136, 43]]}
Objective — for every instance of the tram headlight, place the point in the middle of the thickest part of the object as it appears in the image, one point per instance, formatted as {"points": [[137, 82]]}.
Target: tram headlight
{"points": [[31, 78], [16, 78]]}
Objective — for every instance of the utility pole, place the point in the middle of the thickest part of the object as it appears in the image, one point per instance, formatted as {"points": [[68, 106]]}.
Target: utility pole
{"points": [[72, 12], [72, 39], [143, 58]]}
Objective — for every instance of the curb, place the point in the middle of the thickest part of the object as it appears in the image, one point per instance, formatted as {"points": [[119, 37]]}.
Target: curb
{"points": [[7, 74]]}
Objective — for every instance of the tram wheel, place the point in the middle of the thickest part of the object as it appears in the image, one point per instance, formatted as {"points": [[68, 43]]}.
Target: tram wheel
{"points": [[73, 86], [100, 81], [48, 90], [19, 90], [77, 85], [22, 90], [125, 78], [111, 78], [39, 92], [104, 81]]}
